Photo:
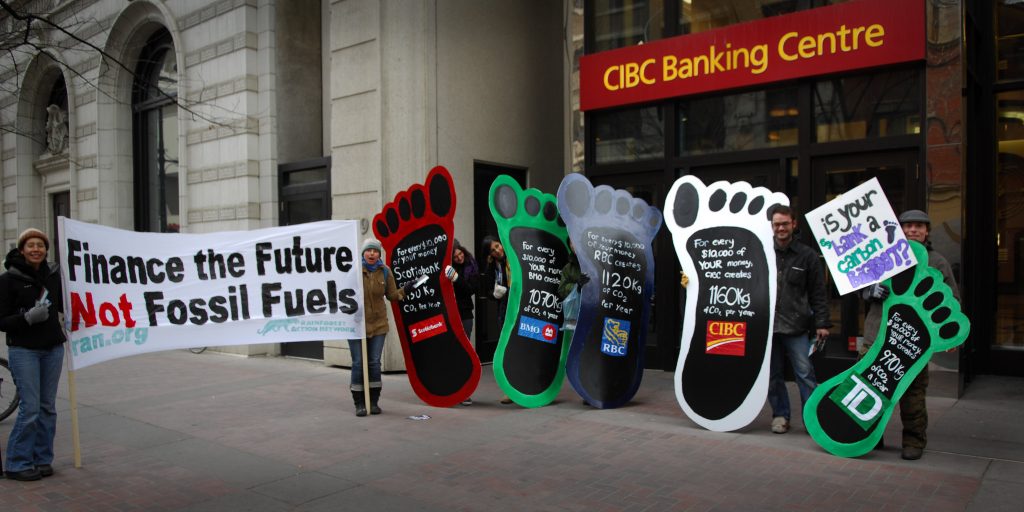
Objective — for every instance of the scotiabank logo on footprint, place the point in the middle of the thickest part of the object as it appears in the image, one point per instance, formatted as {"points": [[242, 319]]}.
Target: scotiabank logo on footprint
{"points": [[726, 338], [428, 328], [537, 329]]}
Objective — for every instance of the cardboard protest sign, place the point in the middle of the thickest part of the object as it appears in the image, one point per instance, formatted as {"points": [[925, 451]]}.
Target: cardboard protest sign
{"points": [[847, 414], [724, 242], [612, 233], [529, 362], [860, 237], [416, 230], [129, 293]]}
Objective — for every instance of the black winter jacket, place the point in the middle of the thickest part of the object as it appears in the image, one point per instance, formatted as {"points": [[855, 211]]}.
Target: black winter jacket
{"points": [[20, 287], [465, 287], [801, 304]]}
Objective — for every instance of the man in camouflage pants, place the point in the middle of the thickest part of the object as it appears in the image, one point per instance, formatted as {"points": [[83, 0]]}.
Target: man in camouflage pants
{"points": [[913, 410]]}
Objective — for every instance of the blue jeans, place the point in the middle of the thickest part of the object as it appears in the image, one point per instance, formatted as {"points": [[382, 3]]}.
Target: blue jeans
{"points": [[467, 325], [796, 347], [375, 346], [36, 373]]}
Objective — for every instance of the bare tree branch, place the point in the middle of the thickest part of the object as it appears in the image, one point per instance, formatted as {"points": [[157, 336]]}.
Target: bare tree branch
{"points": [[28, 18]]}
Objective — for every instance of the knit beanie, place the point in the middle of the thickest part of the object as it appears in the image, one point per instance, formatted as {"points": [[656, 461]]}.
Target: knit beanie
{"points": [[32, 233], [372, 243]]}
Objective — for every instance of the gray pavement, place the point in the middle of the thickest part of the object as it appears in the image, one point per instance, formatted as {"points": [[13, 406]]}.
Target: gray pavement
{"points": [[211, 432]]}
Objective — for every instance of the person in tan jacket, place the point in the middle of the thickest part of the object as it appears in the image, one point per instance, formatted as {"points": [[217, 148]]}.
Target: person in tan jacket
{"points": [[378, 283]]}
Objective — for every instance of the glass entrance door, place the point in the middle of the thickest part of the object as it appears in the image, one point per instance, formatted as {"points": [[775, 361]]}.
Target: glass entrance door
{"points": [[897, 172], [662, 346], [305, 197]]}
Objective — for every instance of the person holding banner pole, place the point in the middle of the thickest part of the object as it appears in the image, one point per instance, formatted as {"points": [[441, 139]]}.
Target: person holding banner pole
{"points": [[30, 298], [378, 283], [913, 410]]}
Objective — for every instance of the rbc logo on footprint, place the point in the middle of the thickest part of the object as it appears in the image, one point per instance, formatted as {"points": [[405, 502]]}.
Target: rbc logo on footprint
{"points": [[615, 337], [537, 329]]}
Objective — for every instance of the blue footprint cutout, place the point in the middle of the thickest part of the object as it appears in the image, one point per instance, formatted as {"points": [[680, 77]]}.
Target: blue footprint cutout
{"points": [[612, 232], [847, 414], [723, 239]]}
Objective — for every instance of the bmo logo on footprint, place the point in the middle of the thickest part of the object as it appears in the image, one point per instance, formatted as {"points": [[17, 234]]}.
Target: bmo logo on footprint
{"points": [[537, 329], [726, 338], [428, 328], [615, 337]]}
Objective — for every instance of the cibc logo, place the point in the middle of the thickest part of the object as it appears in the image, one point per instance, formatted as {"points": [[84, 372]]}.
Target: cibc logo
{"points": [[859, 400], [726, 338]]}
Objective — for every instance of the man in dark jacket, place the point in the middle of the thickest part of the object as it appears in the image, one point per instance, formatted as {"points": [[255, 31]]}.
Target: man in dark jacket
{"points": [[800, 306], [30, 298]]}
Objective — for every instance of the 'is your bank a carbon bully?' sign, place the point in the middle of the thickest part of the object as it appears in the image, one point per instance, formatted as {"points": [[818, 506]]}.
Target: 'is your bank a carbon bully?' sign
{"points": [[129, 293], [860, 237]]}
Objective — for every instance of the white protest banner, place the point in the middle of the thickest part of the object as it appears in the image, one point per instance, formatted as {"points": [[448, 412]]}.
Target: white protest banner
{"points": [[128, 293], [860, 237]]}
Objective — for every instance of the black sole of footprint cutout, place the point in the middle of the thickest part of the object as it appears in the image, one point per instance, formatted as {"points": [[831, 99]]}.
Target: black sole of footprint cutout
{"points": [[415, 230]]}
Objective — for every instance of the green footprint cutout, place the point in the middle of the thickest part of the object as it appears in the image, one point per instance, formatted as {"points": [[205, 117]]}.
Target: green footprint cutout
{"points": [[529, 363], [847, 414]]}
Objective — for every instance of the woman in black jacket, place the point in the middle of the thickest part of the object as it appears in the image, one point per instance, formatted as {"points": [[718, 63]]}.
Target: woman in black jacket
{"points": [[465, 282], [30, 298]]}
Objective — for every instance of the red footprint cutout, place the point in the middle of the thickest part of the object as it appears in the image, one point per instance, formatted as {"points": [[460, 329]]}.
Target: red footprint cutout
{"points": [[416, 230]]}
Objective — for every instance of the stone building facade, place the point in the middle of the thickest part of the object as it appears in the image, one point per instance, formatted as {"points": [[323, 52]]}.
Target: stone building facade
{"points": [[199, 116]]}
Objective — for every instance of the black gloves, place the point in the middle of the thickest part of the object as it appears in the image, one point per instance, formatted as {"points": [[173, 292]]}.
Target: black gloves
{"points": [[584, 279], [408, 288]]}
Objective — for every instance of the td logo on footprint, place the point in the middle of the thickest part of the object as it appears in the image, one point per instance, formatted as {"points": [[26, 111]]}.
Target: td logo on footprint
{"points": [[847, 414]]}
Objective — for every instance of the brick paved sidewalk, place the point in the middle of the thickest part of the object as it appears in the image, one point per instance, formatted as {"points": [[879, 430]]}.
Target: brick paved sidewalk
{"points": [[177, 431]]}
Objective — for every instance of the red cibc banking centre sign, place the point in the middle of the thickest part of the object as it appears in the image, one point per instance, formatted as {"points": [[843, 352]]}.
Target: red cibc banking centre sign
{"points": [[853, 35]]}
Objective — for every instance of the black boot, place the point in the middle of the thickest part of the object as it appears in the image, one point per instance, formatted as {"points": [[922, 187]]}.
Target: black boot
{"points": [[360, 401], [374, 398]]}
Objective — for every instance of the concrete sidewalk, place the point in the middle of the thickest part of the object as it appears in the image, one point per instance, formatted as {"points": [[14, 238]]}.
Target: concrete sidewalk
{"points": [[178, 431]]}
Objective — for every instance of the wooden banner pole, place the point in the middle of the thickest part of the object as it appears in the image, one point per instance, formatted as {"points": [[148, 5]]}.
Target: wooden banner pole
{"points": [[76, 445], [366, 375]]}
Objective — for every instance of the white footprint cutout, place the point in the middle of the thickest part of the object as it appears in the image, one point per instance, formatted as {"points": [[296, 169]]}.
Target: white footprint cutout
{"points": [[723, 238]]}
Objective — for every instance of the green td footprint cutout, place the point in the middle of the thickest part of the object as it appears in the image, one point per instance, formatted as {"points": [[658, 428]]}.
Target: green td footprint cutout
{"points": [[847, 414], [529, 363]]}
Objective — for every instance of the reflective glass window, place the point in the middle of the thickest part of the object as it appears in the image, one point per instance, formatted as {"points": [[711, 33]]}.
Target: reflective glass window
{"points": [[619, 23], [701, 15], [868, 106], [738, 122], [1010, 39], [629, 135], [1009, 204], [156, 136]]}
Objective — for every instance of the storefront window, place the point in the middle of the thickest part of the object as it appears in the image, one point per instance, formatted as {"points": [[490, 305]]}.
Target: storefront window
{"points": [[1010, 221], [702, 15], [619, 23], [738, 122], [1010, 39], [868, 106], [629, 135]]}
